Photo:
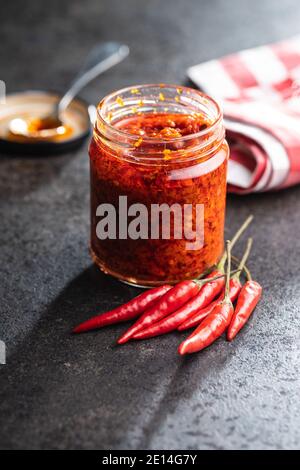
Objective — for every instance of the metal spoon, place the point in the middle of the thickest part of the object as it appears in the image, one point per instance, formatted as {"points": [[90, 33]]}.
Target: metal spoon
{"points": [[101, 58]]}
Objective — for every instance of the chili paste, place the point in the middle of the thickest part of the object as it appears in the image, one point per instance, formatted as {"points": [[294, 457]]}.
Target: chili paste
{"points": [[182, 172]]}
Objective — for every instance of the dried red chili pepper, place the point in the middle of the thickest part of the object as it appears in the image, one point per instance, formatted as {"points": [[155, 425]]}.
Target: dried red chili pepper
{"points": [[182, 311], [214, 325], [211, 290], [169, 302], [234, 289], [172, 321], [128, 311], [195, 319], [173, 299], [248, 299]]}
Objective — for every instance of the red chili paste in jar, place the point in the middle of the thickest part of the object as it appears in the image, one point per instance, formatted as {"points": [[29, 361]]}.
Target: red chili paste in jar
{"points": [[164, 158]]}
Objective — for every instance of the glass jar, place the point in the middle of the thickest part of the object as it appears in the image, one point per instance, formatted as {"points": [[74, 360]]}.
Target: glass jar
{"points": [[158, 161]]}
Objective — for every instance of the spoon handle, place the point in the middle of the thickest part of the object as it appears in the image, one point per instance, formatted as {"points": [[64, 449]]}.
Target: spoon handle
{"points": [[101, 58]]}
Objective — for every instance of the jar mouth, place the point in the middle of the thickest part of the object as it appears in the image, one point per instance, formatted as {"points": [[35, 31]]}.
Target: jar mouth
{"points": [[190, 98]]}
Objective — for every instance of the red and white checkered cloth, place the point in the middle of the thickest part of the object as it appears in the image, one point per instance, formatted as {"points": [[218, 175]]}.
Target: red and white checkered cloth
{"points": [[259, 90]]}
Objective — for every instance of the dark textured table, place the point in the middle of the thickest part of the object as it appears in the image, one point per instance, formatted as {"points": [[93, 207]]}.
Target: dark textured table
{"points": [[60, 391]]}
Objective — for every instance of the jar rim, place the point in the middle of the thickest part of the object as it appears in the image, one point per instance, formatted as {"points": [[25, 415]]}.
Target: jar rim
{"points": [[203, 96]]}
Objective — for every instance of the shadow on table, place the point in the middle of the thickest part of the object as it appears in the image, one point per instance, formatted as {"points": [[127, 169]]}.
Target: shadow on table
{"points": [[81, 391]]}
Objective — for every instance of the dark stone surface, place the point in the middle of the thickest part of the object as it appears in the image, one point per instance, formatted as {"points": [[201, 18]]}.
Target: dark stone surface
{"points": [[59, 391]]}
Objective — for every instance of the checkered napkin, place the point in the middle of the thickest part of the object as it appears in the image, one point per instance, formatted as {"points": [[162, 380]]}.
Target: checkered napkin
{"points": [[259, 90]]}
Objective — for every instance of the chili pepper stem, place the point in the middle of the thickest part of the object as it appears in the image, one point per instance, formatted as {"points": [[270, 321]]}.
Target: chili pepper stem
{"points": [[202, 282], [235, 287], [245, 268], [234, 239], [243, 260], [228, 249]]}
